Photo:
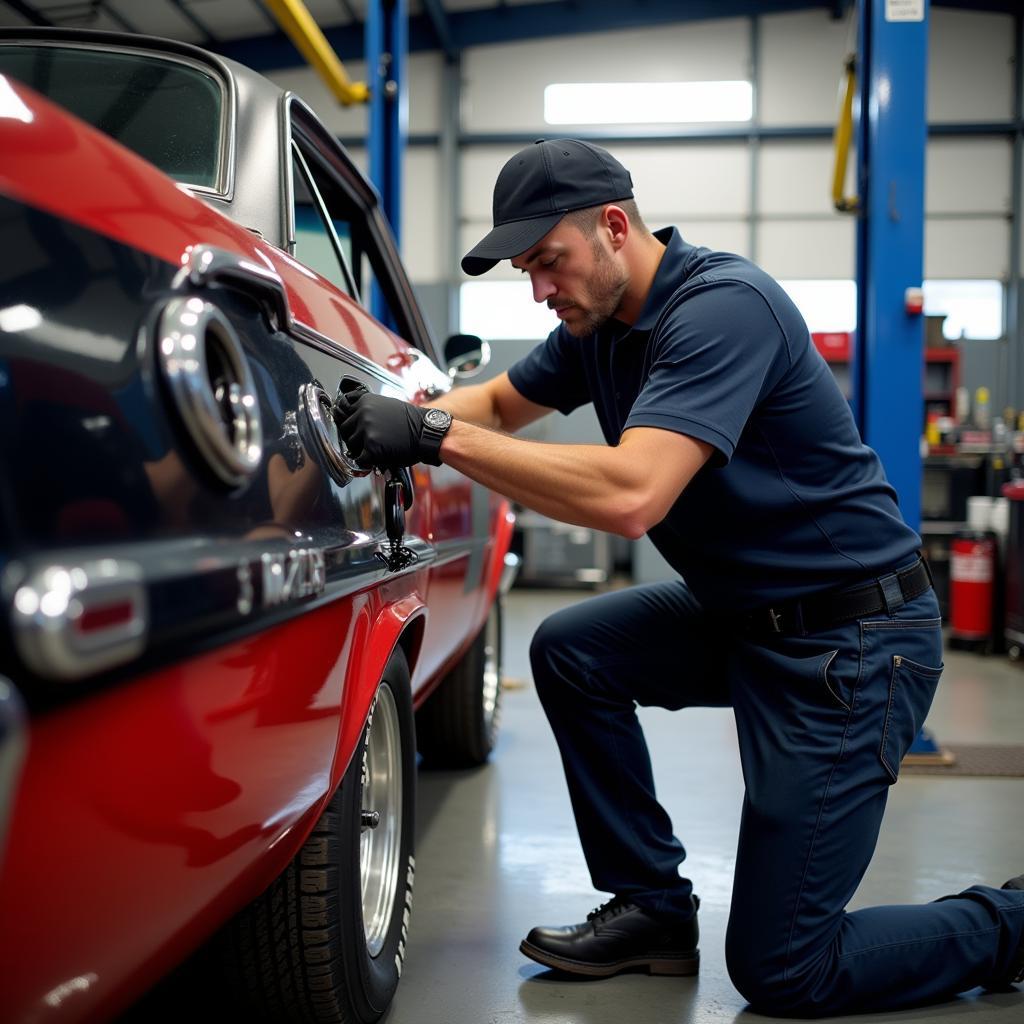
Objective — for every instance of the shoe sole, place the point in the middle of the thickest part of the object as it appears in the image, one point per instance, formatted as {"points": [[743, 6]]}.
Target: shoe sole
{"points": [[677, 966]]}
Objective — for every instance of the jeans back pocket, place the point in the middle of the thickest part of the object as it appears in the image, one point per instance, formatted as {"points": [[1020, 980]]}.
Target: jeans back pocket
{"points": [[911, 688]]}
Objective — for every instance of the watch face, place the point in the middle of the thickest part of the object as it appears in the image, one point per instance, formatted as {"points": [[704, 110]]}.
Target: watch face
{"points": [[437, 418]]}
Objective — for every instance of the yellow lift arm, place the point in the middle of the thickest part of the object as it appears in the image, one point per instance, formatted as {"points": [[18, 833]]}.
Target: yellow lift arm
{"points": [[842, 137], [298, 24]]}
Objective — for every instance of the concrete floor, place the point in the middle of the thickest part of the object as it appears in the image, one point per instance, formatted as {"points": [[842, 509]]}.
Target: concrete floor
{"points": [[497, 853]]}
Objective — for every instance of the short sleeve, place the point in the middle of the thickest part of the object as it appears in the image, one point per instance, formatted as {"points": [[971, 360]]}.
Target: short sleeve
{"points": [[718, 350], [553, 373]]}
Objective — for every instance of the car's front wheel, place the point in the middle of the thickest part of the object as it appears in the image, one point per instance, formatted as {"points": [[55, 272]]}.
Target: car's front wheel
{"points": [[326, 941]]}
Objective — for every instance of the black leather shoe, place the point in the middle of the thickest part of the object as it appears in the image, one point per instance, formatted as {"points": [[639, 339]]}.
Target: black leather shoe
{"points": [[615, 937], [1015, 973]]}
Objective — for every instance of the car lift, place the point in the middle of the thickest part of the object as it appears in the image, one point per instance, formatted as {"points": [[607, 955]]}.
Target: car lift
{"points": [[888, 403]]}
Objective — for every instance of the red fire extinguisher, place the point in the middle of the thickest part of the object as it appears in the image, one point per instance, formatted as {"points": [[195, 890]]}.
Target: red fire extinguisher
{"points": [[972, 586]]}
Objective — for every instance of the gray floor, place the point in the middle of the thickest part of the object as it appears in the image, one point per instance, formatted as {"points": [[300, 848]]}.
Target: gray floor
{"points": [[497, 853]]}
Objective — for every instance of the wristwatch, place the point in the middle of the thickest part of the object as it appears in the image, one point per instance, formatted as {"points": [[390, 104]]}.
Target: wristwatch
{"points": [[436, 423]]}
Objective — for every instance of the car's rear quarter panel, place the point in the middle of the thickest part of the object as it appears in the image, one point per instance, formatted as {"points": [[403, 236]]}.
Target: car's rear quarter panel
{"points": [[154, 803]]}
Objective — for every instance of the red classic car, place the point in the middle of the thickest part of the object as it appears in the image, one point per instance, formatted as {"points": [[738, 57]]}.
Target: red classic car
{"points": [[216, 626]]}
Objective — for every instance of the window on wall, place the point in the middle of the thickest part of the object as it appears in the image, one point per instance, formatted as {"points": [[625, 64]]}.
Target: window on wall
{"points": [[500, 310], [827, 306], [973, 309], [648, 102], [503, 311]]}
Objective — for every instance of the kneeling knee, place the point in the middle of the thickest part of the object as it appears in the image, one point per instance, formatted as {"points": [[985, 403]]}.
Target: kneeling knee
{"points": [[771, 990], [550, 657]]}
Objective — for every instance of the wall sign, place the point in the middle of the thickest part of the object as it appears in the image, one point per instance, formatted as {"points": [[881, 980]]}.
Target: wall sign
{"points": [[904, 10]]}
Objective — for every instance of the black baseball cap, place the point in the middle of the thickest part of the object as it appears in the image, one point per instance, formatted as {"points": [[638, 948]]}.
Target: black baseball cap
{"points": [[537, 188]]}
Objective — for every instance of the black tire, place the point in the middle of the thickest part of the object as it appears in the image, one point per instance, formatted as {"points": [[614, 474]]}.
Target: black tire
{"points": [[457, 726], [301, 951]]}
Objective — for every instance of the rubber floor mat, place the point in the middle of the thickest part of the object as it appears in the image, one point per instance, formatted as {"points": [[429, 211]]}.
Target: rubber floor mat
{"points": [[974, 759]]}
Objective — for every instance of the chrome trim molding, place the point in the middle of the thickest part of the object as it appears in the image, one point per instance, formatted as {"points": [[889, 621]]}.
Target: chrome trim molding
{"points": [[13, 747], [224, 423], [312, 401], [303, 332], [169, 599], [509, 572], [203, 265], [71, 620]]}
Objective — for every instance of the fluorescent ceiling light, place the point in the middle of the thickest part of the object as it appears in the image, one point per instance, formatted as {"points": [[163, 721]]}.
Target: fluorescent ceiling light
{"points": [[647, 102]]}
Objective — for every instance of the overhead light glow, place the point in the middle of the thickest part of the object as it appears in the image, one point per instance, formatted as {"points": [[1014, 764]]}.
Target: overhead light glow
{"points": [[648, 102], [11, 105], [19, 318]]}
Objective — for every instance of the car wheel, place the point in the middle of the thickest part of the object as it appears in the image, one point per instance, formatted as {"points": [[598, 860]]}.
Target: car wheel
{"points": [[457, 726], [326, 941]]}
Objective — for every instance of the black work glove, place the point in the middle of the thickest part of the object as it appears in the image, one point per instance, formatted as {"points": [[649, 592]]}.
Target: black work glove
{"points": [[381, 431]]}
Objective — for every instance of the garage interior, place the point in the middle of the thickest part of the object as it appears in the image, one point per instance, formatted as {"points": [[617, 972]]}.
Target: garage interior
{"points": [[496, 847], [500, 848]]}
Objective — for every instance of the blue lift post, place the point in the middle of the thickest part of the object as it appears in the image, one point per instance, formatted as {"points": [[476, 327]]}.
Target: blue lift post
{"points": [[889, 355], [387, 47]]}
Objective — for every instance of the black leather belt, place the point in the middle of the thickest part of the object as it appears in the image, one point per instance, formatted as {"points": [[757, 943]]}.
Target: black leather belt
{"points": [[818, 612]]}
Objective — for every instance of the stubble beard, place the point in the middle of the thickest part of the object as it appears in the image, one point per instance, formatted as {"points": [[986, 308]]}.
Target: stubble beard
{"points": [[605, 289]]}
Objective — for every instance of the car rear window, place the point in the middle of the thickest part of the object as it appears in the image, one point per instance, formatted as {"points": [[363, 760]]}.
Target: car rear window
{"points": [[167, 111]]}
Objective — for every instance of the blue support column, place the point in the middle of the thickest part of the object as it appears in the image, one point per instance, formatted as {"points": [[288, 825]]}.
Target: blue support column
{"points": [[387, 47], [888, 366], [892, 66]]}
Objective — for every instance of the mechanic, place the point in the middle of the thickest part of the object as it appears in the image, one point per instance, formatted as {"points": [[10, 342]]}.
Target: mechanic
{"points": [[803, 602]]}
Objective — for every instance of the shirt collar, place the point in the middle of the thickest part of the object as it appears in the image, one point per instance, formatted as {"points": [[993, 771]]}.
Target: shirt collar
{"points": [[667, 278]]}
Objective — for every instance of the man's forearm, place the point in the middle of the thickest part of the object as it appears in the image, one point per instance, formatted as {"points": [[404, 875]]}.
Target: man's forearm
{"points": [[587, 485]]}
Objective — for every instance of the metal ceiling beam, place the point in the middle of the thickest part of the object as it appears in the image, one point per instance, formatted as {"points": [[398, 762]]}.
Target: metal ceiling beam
{"points": [[30, 14], [685, 134], [350, 11], [508, 24], [259, 5], [513, 23], [209, 39], [439, 20], [117, 16], [984, 6], [519, 22]]}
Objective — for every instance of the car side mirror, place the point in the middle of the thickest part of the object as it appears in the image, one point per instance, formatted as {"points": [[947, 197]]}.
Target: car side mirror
{"points": [[466, 355]]}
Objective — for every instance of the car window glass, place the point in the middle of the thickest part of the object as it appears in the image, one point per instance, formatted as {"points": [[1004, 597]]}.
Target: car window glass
{"points": [[166, 111], [373, 280], [313, 243]]}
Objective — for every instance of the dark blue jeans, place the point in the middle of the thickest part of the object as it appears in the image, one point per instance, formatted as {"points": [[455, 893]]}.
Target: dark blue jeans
{"points": [[823, 722]]}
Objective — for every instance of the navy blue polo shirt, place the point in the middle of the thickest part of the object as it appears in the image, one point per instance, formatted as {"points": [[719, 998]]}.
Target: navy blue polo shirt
{"points": [[791, 501]]}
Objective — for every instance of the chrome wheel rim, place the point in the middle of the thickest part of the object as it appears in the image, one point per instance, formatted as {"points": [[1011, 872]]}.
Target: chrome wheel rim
{"points": [[380, 846], [492, 672]]}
